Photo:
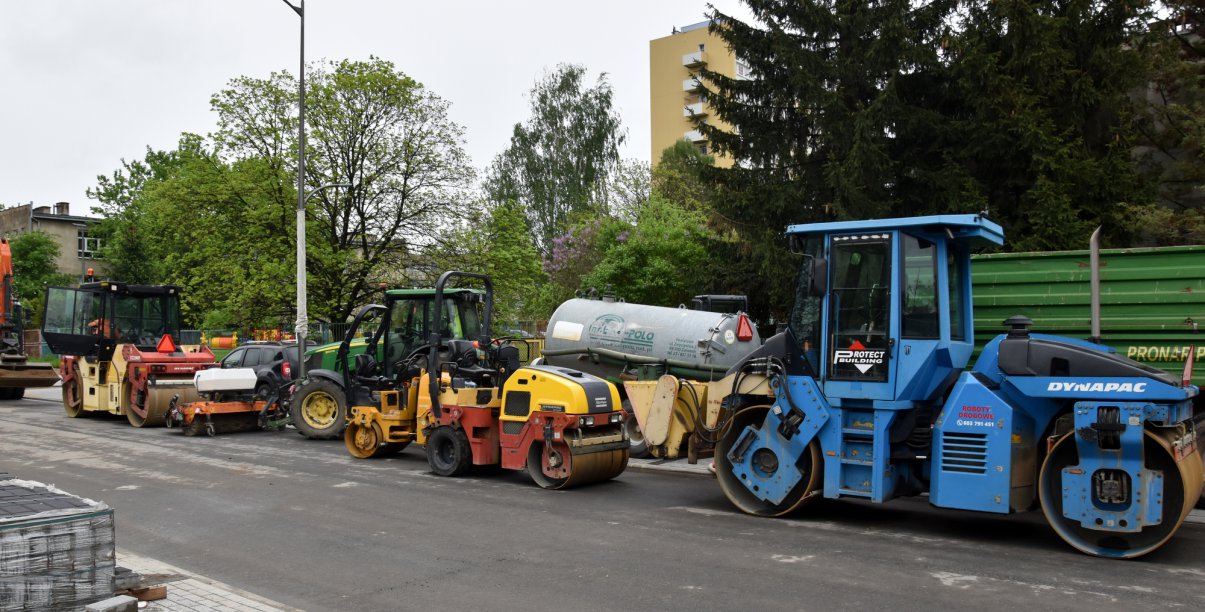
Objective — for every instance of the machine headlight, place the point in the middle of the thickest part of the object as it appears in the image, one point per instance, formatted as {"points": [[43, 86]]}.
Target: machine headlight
{"points": [[615, 418]]}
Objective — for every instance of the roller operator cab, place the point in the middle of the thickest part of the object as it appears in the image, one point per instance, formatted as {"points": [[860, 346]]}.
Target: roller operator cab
{"points": [[470, 402], [120, 351], [868, 395]]}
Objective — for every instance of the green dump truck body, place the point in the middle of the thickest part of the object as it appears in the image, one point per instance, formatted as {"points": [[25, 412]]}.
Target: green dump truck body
{"points": [[1151, 300]]}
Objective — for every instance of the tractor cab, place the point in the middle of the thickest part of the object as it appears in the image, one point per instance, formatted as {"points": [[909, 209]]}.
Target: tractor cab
{"points": [[389, 342], [883, 308], [92, 319]]}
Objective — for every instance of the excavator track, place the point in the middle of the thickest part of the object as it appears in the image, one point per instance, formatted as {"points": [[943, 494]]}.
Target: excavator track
{"points": [[584, 459]]}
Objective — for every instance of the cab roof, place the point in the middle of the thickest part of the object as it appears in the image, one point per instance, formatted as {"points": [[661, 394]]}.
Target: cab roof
{"points": [[974, 229], [428, 292], [128, 289]]}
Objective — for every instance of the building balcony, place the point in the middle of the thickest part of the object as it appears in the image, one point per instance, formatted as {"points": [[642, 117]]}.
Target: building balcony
{"points": [[691, 84], [691, 110], [695, 136], [694, 59]]}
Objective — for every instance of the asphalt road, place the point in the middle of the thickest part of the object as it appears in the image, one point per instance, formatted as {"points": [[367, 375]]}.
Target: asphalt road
{"points": [[302, 523]]}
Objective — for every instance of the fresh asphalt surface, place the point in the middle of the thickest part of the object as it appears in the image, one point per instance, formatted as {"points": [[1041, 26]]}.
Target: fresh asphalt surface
{"points": [[302, 523]]}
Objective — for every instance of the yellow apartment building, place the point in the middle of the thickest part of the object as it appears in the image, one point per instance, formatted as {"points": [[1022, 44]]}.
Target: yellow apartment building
{"points": [[675, 95]]}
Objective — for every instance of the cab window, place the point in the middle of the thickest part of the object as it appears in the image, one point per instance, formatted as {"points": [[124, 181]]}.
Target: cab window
{"points": [[859, 307], [918, 293]]}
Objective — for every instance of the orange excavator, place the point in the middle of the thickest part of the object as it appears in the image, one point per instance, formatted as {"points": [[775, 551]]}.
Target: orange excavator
{"points": [[17, 373]]}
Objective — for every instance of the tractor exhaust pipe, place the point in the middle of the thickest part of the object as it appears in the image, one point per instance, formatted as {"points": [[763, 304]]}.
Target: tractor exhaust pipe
{"points": [[1094, 264]]}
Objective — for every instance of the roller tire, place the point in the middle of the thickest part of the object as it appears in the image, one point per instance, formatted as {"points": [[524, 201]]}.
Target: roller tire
{"points": [[448, 452], [362, 441], [319, 410], [74, 405], [1108, 544], [639, 448], [810, 464]]}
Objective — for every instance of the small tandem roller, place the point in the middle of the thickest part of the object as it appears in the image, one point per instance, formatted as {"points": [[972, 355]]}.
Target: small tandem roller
{"points": [[869, 395], [469, 402]]}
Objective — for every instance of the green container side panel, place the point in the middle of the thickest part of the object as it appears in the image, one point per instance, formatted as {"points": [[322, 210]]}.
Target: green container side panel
{"points": [[1152, 300]]}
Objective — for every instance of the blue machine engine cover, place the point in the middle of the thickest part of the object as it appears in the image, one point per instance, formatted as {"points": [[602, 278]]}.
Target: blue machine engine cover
{"points": [[983, 452]]}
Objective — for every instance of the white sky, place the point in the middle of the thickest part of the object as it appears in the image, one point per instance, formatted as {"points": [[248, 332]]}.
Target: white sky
{"points": [[84, 84]]}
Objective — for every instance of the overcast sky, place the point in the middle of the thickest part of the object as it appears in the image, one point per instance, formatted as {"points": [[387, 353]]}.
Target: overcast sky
{"points": [[88, 83]]}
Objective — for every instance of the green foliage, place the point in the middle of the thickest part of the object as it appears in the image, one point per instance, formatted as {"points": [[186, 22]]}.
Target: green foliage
{"points": [[565, 152], [496, 242], [216, 229], [126, 248], [34, 267], [1045, 89], [679, 176], [1171, 116], [660, 260], [218, 215], [897, 108]]}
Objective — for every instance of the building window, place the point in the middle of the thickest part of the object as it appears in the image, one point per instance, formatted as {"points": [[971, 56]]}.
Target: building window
{"points": [[87, 248]]}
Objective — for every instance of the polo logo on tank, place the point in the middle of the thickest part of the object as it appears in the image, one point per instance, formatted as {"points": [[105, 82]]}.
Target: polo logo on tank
{"points": [[608, 327], [1097, 387], [859, 356]]}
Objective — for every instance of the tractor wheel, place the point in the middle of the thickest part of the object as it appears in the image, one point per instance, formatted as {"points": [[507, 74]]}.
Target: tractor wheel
{"points": [[448, 452], [738, 491], [73, 395], [320, 409]]}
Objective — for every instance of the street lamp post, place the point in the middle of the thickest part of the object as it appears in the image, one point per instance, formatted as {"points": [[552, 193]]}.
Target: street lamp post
{"points": [[303, 316], [302, 324]]}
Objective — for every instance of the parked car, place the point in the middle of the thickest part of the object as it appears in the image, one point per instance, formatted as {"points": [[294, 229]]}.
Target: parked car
{"points": [[275, 364]]}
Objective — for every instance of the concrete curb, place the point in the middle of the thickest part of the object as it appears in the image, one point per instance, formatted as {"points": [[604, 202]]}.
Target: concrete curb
{"points": [[675, 466], [188, 592]]}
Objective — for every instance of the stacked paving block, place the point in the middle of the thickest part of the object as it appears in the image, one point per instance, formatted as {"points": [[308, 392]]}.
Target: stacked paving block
{"points": [[56, 549]]}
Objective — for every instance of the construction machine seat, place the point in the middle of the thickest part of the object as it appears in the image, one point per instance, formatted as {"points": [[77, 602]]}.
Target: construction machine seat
{"points": [[464, 354], [368, 372]]}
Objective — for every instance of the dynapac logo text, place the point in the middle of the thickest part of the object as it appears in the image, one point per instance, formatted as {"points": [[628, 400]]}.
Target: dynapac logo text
{"points": [[1097, 387]]}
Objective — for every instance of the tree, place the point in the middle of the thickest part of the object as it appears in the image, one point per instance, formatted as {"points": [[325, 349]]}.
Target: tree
{"points": [[557, 161], [1171, 118], [217, 215], [898, 108], [496, 241], [384, 133], [657, 261], [34, 267], [839, 122], [212, 227], [1042, 101], [125, 247]]}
